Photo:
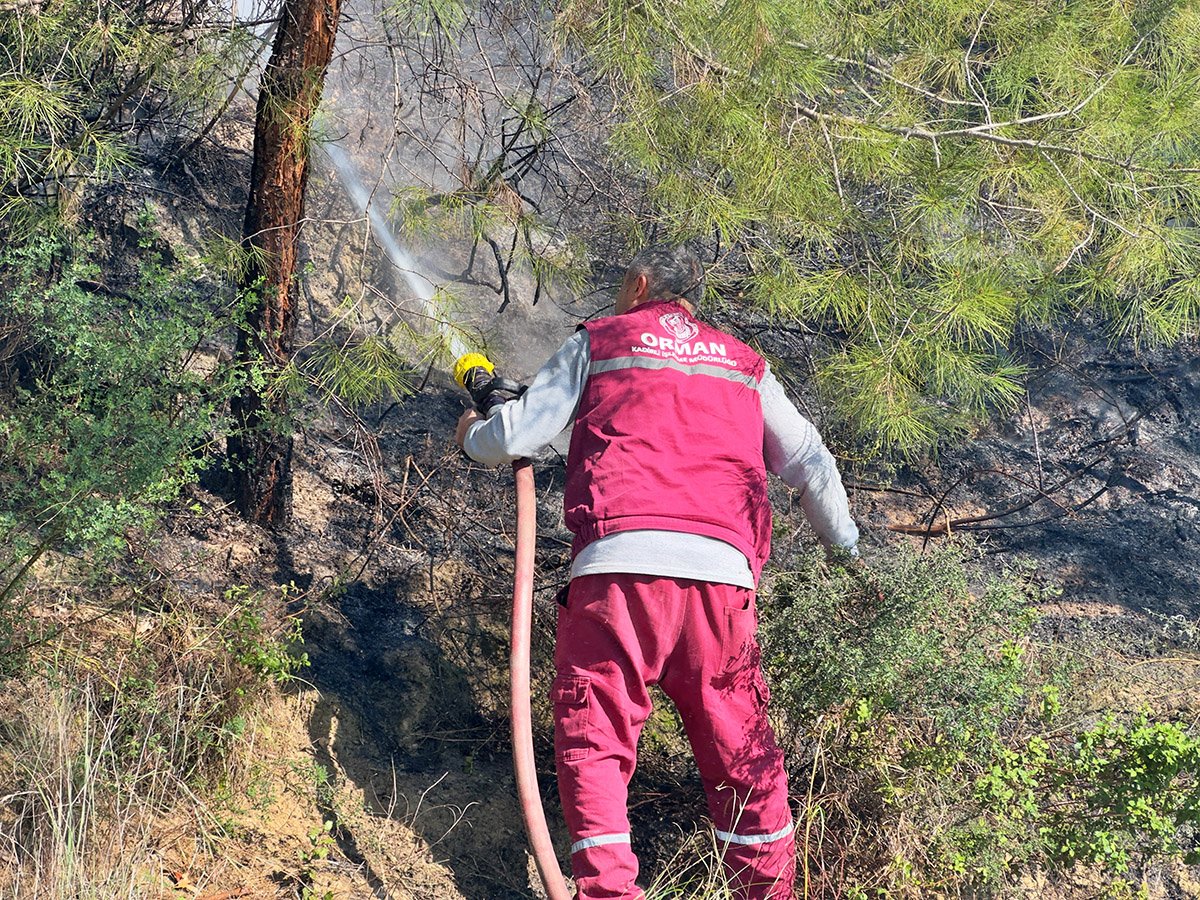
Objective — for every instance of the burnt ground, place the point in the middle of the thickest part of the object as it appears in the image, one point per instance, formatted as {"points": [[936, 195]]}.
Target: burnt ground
{"points": [[403, 551], [1094, 478], [400, 552]]}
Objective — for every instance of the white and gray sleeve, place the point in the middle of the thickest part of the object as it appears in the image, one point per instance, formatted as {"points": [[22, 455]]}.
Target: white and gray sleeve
{"points": [[522, 427], [793, 450]]}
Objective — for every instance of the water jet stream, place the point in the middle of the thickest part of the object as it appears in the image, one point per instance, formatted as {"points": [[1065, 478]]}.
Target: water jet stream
{"points": [[422, 287]]}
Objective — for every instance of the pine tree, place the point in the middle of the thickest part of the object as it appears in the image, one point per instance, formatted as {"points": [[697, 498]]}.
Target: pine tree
{"points": [[261, 447], [914, 180]]}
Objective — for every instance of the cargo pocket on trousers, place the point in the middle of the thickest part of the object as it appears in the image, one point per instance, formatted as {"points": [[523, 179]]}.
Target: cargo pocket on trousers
{"points": [[761, 688], [572, 699], [739, 643]]}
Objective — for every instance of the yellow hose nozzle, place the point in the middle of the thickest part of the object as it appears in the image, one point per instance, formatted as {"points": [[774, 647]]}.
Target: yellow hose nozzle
{"points": [[476, 375], [469, 361]]}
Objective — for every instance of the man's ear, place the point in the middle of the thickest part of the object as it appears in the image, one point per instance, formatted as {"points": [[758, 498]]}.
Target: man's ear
{"points": [[641, 288]]}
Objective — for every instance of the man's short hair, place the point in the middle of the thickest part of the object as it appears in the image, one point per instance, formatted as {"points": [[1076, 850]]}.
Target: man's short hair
{"points": [[673, 272]]}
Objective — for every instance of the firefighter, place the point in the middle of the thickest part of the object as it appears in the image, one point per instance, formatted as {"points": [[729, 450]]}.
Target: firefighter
{"points": [[676, 425]]}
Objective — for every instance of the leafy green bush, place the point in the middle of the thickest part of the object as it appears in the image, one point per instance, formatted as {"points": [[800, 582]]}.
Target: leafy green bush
{"points": [[939, 754], [1114, 793], [929, 653], [254, 644], [103, 414]]}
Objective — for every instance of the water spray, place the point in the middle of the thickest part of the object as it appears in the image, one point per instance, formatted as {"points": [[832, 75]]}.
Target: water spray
{"points": [[422, 288], [477, 376]]}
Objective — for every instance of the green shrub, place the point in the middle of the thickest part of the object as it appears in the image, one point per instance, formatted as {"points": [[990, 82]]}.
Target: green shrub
{"points": [[938, 758], [253, 644], [931, 654], [103, 416], [1114, 793]]}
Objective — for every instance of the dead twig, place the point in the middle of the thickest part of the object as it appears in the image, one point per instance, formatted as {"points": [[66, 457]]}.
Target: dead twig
{"points": [[929, 529]]}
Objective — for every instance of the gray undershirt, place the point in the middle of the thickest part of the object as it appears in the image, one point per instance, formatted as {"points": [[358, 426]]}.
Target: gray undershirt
{"points": [[792, 449], [668, 554]]}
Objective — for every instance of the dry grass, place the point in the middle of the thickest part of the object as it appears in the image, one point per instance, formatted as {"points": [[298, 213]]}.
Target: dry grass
{"points": [[144, 754], [110, 728], [80, 815], [694, 872]]}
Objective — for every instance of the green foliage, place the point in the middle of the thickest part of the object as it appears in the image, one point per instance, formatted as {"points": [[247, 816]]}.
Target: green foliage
{"points": [[1117, 793], [72, 68], [362, 371], [265, 652], [320, 843], [932, 652], [914, 180], [364, 363], [423, 17], [103, 414], [943, 758]]}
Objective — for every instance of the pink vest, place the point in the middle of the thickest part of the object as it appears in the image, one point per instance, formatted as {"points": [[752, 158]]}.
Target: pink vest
{"points": [[669, 434]]}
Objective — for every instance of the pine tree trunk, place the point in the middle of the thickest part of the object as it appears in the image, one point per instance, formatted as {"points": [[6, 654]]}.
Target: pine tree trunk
{"points": [[260, 448]]}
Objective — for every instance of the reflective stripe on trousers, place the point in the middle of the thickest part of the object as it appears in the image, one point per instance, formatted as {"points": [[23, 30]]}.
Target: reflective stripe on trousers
{"points": [[728, 837], [599, 840]]}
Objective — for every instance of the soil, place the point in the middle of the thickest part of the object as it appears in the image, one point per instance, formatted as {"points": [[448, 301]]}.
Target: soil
{"points": [[1094, 478], [398, 560]]}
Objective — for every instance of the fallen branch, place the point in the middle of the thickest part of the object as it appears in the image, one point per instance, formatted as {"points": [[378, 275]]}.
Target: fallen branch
{"points": [[929, 529]]}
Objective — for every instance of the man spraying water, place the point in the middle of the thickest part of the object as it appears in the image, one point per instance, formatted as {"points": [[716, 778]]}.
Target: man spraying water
{"points": [[676, 425]]}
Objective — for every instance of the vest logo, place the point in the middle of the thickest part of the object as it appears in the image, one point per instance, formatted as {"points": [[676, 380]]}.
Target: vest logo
{"points": [[679, 326]]}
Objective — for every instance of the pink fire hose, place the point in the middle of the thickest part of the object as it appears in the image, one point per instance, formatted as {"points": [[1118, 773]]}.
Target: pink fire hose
{"points": [[475, 373], [522, 717]]}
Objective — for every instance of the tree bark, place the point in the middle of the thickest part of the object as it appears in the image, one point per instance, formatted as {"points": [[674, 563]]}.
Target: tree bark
{"points": [[260, 448]]}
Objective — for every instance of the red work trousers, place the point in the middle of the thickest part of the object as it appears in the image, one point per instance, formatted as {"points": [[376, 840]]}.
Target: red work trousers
{"points": [[620, 633]]}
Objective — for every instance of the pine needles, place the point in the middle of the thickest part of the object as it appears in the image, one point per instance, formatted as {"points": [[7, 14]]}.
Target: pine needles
{"points": [[914, 180], [76, 78]]}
